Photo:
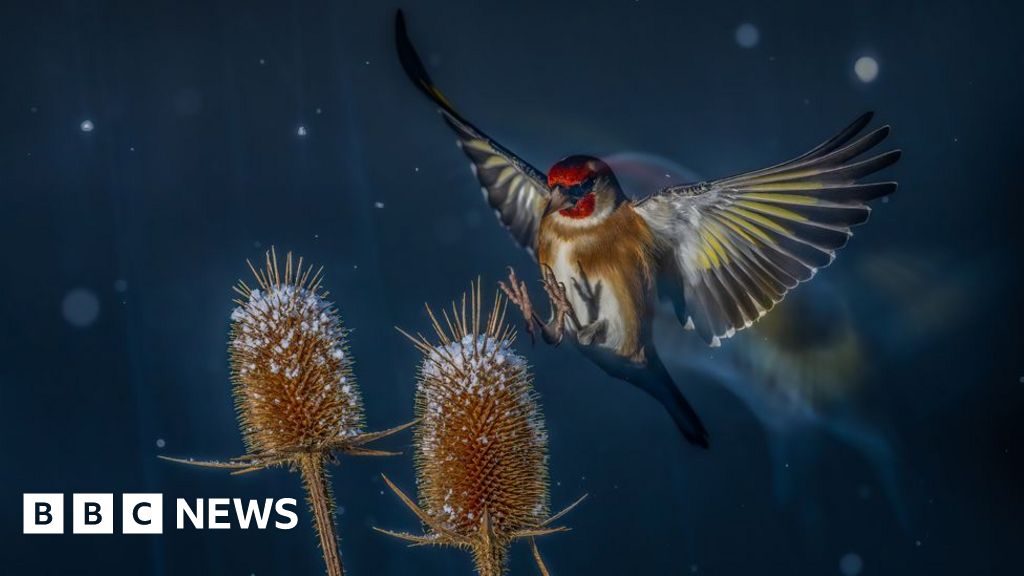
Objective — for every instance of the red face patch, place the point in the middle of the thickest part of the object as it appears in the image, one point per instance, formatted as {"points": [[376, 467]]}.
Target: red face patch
{"points": [[568, 176], [584, 207]]}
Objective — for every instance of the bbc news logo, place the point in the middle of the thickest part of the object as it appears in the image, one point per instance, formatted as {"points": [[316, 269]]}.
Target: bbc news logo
{"points": [[144, 513]]}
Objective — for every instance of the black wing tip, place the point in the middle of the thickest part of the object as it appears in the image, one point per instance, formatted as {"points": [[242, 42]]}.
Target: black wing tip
{"points": [[883, 189], [410, 61], [859, 124], [874, 164], [891, 157], [413, 66]]}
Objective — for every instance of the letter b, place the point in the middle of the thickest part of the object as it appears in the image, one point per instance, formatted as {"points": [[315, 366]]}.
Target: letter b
{"points": [[92, 514], [43, 514]]}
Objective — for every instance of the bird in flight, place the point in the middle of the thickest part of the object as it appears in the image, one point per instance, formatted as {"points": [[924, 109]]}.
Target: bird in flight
{"points": [[724, 252]]}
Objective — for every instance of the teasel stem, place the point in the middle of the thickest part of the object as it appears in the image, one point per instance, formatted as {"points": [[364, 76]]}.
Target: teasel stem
{"points": [[537, 558], [314, 477], [490, 561], [488, 553]]}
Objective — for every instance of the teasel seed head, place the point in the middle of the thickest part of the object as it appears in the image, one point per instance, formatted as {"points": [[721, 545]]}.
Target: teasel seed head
{"points": [[297, 401], [480, 447], [480, 442], [290, 364]]}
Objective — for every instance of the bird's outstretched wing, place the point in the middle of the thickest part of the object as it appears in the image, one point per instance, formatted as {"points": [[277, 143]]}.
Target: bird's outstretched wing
{"points": [[516, 191], [738, 244]]}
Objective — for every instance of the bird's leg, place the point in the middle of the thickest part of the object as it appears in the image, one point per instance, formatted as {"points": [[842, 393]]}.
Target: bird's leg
{"points": [[552, 330], [589, 293], [591, 296], [517, 293], [561, 309]]}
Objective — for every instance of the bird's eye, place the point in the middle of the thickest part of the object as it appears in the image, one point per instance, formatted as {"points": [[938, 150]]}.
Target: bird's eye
{"points": [[583, 207]]}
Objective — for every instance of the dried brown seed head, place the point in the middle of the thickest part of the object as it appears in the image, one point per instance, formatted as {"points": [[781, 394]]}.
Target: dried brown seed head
{"points": [[481, 446], [290, 363], [297, 401]]}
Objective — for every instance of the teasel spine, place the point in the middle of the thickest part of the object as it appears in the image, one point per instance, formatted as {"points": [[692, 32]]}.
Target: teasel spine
{"points": [[297, 401], [485, 370]]}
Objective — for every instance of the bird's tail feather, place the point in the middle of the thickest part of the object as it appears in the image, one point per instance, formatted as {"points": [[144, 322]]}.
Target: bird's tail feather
{"points": [[657, 382]]}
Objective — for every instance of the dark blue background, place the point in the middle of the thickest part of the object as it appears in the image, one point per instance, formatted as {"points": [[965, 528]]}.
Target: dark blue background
{"points": [[195, 164]]}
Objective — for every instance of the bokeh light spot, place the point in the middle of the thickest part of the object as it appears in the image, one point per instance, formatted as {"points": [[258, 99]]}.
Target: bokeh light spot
{"points": [[86, 126], [851, 564], [81, 307], [747, 35], [866, 69]]}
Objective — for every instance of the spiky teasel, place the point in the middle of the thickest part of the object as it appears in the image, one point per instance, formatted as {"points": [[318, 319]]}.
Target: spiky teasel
{"points": [[480, 444], [290, 363], [297, 400]]}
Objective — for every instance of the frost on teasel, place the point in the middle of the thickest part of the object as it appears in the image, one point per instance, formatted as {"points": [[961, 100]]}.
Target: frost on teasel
{"points": [[297, 401], [480, 444], [290, 363]]}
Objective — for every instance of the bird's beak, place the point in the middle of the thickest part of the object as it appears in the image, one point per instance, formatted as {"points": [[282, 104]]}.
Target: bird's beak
{"points": [[558, 201]]}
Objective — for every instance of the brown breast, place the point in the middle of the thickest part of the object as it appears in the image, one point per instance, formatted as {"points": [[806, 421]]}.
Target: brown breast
{"points": [[623, 252]]}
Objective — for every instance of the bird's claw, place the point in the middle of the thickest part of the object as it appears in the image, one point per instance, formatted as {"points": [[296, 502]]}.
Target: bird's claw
{"points": [[561, 308], [562, 311], [517, 293]]}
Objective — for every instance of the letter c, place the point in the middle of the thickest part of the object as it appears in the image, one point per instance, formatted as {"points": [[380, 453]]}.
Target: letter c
{"points": [[135, 514]]}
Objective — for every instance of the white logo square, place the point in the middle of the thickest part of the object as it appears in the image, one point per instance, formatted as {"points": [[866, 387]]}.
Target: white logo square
{"points": [[142, 514], [42, 513], [92, 513]]}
